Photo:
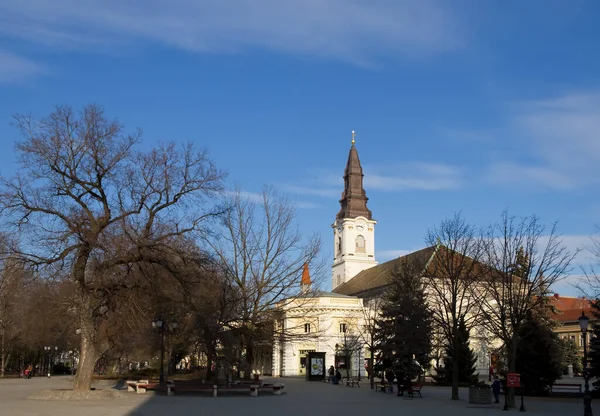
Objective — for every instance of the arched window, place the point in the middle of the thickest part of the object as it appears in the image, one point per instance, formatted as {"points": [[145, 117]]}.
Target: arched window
{"points": [[360, 244]]}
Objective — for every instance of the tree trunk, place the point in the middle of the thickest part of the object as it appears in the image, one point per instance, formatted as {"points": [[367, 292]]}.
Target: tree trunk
{"points": [[88, 357], [512, 368], [371, 365], [455, 372], [3, 354], [249, 358]]}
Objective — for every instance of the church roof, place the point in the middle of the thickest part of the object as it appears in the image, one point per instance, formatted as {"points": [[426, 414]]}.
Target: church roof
{"points": [[379, 276], [323, 294], [354, 198]]}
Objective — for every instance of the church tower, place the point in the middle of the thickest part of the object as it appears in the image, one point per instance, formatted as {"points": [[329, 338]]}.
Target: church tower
{"points": [[354, 226]]}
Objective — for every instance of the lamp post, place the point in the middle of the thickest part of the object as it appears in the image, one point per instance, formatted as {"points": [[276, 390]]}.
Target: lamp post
{"points": [[47, 359], [587, 396], [159, 324]]}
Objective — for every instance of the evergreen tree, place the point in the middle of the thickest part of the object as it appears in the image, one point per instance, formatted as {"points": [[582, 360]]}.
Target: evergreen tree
{"points": [[539, 356], [571, 356], [594, 350], [404, 330], [467, 360]]}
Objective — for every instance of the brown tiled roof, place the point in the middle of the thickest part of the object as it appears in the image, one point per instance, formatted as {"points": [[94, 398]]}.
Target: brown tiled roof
{"points": [[379, 275], [565, 303], [568, 309], [572, 315]]}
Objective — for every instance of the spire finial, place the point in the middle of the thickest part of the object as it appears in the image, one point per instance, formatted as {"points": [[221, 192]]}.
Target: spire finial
{"points": [[353, 137]]}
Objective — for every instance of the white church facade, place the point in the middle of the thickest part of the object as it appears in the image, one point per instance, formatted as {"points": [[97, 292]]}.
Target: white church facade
{"points": [[329, 321]]}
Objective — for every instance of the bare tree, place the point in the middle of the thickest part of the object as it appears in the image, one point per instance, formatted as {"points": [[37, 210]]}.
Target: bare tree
{"points": [[454, 282], [351, 344], [368, 331], [589, 284], [14, 278], [85, 199], [263, 254], [525, 260]]}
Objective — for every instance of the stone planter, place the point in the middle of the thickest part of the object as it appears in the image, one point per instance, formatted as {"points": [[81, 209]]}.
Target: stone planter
{"points": [[480, 395]]}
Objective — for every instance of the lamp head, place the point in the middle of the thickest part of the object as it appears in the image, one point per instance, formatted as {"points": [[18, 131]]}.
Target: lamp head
{"points": [[583, 322]]}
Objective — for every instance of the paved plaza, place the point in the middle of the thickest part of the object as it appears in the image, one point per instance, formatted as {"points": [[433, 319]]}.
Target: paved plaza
{"points": [[300, 398]]}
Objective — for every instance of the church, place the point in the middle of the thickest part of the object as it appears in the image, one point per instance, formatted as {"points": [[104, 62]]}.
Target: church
{"points": [[333, 322]]}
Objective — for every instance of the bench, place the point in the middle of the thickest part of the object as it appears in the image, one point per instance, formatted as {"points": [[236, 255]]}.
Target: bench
{"points": [[242, 387], [140, 386], [352, 383], [414, 389], [383, 387], [565, 388]]}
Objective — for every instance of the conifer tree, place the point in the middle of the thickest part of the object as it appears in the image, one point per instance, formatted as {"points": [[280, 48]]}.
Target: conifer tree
{"points": [[571, 356], [404, 330], [539, 355], [467, 359]]}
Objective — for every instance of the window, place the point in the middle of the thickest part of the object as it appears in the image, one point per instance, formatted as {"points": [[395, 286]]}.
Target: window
{"points": [[343, 327], [306, 327], [360, 244]]}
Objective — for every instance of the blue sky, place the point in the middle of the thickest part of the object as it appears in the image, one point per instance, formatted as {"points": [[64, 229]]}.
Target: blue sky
{"points": [[469, 106]]}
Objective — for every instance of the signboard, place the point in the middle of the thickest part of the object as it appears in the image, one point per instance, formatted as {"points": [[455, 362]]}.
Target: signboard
{"points": [[316, 370], [513, 380]]}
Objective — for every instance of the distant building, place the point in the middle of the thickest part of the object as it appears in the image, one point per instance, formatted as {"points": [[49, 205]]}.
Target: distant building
{"points": [[567, 313], [317, 321]]}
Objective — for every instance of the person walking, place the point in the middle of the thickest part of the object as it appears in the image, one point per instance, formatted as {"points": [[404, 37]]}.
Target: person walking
{"points": [[331, 373], [338, 376], [496, 387]]}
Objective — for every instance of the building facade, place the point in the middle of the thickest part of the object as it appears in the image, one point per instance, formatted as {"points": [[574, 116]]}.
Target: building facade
{"points": [[333, 322]]}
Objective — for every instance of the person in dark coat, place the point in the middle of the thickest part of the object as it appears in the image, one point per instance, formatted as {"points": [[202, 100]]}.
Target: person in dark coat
{"points": [[389, 376], [496, 387]]}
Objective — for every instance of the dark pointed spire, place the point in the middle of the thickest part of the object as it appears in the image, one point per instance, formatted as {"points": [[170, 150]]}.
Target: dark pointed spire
{"points": [[354, 198]]}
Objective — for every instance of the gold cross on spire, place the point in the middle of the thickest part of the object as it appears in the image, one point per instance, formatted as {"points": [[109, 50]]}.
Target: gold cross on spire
{"points": [[353, 137]]}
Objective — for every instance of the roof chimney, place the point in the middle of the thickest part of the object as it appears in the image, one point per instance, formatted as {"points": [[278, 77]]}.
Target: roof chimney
{"points": [[556, 296]]}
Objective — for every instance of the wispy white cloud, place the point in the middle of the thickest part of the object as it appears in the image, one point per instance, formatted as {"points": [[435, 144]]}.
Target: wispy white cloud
{"points": [[414, 176], [562, 137], [307, 205], [356, 31], [257, 198], [14, 68], [397, 177], [529, 176], [317, 190]]}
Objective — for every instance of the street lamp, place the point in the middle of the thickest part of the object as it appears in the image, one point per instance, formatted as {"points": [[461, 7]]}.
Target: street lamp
{"points": [[159, 324], [47, 359], [587, 396]]}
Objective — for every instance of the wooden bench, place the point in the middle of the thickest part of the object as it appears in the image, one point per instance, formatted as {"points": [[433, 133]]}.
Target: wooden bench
{"points": [[242, 387], [140, 386], [416, 388], [565, 388], [352, 382], [383, 387]]}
